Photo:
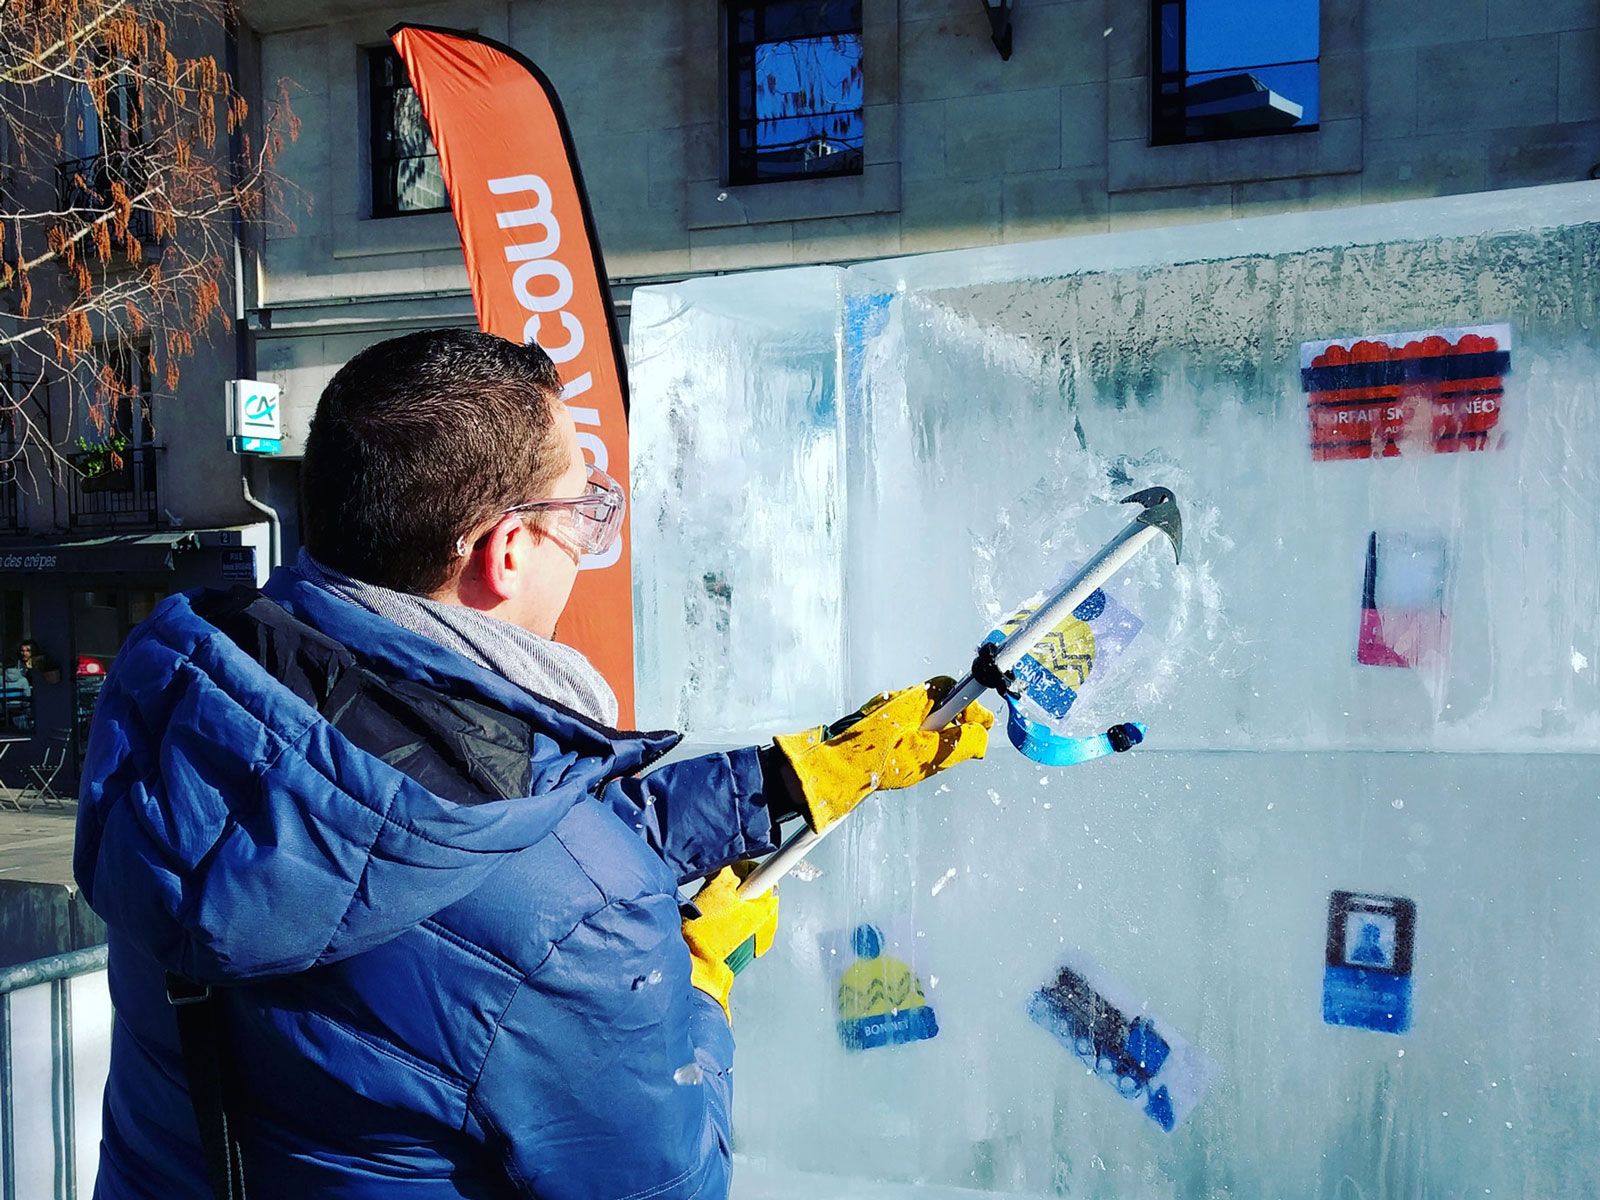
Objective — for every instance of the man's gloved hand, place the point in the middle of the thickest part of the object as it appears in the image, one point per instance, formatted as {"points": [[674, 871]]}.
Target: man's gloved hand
{"points": [[885, 748], [726, 922]]}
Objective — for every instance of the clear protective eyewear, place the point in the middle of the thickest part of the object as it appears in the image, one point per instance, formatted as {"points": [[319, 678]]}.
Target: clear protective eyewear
{"points": [[589, 523]]}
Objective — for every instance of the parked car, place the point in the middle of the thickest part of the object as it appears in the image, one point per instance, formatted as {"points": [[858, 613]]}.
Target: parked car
{"points": [[88, 679]]}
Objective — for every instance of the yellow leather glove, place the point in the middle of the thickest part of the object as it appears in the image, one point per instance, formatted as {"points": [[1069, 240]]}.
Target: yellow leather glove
{"points": [[726, 922], [886, 749]]}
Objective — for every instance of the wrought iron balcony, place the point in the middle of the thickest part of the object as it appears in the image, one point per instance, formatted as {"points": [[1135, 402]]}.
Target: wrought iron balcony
{"points": [[114, 488], [88, 185]]}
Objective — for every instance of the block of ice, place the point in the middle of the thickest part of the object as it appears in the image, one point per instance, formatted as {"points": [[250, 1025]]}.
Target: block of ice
{"points": [[847, 478], [738, 506]]}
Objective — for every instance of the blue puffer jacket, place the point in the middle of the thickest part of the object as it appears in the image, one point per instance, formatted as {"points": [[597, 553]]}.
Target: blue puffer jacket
{"points": [[442, 912]]}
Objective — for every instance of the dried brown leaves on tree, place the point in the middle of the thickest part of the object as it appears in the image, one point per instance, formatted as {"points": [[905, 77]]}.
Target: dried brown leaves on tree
{"points": [[126, 154]]}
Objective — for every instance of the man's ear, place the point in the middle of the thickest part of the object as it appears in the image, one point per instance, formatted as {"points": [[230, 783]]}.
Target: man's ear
{"points": [[505, 552]]}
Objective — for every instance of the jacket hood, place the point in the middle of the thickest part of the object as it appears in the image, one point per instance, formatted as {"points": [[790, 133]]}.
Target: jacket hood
{"points": [[274, 784]]}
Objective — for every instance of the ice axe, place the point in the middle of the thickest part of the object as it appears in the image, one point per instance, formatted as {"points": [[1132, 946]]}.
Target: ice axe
{"points": [[993, 663]]}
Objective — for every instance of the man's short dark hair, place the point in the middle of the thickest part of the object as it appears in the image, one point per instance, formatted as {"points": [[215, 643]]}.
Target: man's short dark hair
{"points": [[416, 441]]}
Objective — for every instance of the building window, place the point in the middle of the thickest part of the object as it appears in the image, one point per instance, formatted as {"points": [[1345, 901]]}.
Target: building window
{"points": [[16, 675], [105, 146], [795, 90], [114, 477], [14, 393], [1232, 68], [405, 166]]}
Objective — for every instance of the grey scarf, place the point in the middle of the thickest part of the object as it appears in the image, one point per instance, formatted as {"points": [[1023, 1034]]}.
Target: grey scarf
{"points": [[539, 665]]}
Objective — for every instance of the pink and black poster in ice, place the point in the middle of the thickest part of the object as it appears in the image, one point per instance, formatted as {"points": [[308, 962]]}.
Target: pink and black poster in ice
{"points": [[1403, 618], [1396, 394]]}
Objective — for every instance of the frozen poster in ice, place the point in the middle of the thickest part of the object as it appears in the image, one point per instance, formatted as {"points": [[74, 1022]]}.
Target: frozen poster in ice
{"points": [[1366, 982], [1139, 1056], [1056, 671], [878, 994], [1403, 618], [1405, 393]]}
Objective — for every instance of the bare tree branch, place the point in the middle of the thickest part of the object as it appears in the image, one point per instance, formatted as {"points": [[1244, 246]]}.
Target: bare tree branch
{"points": [[129, 162]]}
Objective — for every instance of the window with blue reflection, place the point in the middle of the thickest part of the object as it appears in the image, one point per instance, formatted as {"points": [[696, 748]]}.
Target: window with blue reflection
{"points": [[795, 90], [1233, 68]]}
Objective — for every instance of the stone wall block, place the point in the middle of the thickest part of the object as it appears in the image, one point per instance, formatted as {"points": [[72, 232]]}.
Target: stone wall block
{"points": [[1487, 85], [1391, 101], [1579, 90], [940, 214], [1548, 16], [847, 239], [1083, 125], [1018, 131], [1391, 23], [922, 140], [741, 246], [1053, 204]]}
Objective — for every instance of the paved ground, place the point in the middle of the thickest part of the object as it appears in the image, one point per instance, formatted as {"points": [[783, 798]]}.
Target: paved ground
{"points": [[36, 845]]}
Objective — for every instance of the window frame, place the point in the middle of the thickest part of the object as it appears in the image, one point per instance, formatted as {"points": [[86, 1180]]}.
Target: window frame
{"points": [[132, 364], [17, 711], [382, 183], [741, 168], [1168, 110]]}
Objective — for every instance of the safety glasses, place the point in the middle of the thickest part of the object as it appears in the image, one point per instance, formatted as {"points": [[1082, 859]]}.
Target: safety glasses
{"points": [[588, 524]]}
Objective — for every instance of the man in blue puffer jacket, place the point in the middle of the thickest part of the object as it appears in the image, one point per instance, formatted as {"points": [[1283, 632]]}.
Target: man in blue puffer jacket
{"points": [[387, 821]]}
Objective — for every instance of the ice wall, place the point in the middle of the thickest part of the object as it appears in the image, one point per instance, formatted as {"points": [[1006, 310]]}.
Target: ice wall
{"points": [[984, 413], [737, 452]]}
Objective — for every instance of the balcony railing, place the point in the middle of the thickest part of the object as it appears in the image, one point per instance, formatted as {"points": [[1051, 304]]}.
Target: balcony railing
{"points": [[88, 183], [122, 493]]}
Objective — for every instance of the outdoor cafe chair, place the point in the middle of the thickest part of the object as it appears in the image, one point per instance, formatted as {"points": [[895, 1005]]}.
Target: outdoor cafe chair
{"points": [[44, 771]]}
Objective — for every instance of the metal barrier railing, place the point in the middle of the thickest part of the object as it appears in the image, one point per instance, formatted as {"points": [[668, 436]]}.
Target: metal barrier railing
{"points": [[32, 995]]}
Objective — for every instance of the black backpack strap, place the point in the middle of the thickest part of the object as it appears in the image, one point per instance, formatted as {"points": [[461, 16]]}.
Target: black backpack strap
{"points": [[199, 1016]]}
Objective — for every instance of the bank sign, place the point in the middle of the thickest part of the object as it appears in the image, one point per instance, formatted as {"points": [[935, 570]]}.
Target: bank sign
{"points": [[255, 423]]}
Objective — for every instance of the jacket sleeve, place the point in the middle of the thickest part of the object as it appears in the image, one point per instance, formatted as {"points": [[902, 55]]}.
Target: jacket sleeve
{"points": [[699, 814], [609, 1075]]}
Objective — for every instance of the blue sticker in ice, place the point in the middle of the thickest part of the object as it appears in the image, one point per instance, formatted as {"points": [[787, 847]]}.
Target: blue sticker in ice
{"points": [[1366, 978]]}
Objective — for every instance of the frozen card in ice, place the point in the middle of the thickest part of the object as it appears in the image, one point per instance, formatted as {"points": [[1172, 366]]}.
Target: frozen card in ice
{"points": [[1137, 1054]]}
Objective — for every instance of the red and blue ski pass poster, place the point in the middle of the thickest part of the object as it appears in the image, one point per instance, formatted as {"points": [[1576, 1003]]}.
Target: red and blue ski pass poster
{"points": [[879, 996], [1138, 1055], [1405, 393], [1366, 982], [1403, 617]]}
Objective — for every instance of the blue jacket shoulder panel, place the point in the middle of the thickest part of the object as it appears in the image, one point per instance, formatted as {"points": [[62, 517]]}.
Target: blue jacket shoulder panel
{"points": [[216, 803]]}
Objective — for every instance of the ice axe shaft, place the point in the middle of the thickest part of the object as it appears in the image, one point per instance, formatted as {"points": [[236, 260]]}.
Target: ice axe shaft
{"points": [[1160, 516]]}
